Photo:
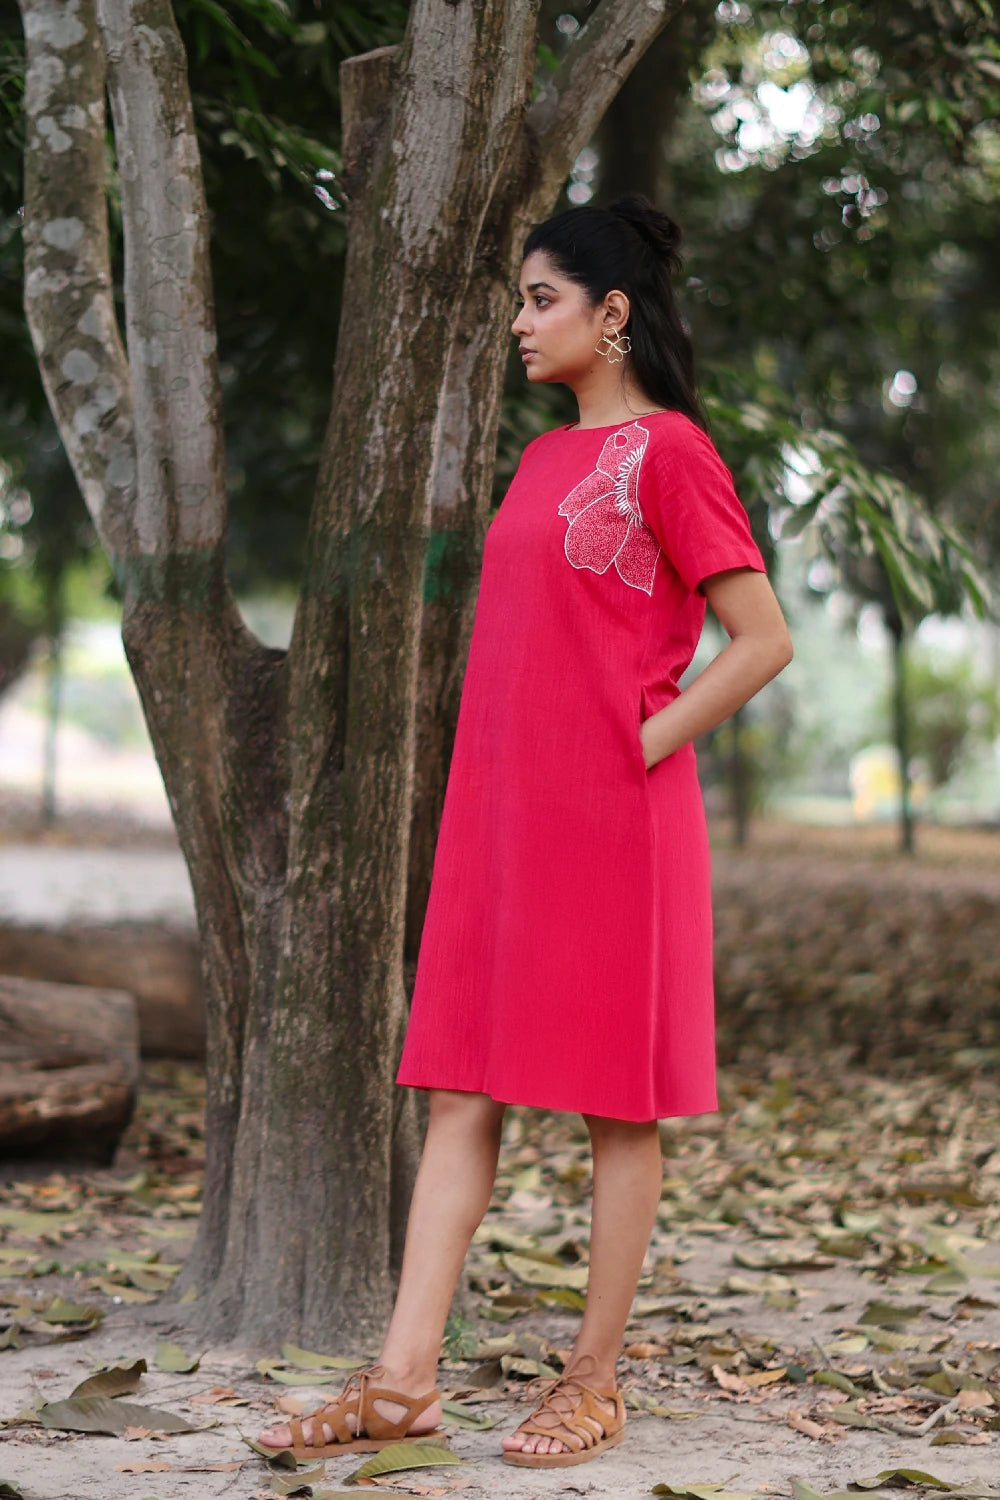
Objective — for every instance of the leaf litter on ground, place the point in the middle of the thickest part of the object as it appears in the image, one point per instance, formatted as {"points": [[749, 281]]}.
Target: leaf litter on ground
{"points": [[825, 1167]]}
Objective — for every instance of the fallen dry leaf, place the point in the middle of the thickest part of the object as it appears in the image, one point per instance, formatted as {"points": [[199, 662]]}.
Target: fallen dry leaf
{"points": [[728, 1382], [805, 1425], [219, 1395], [969, 1399]]}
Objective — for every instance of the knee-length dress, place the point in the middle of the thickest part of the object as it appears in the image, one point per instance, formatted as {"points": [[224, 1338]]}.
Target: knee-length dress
{"points": [[566, 955]]}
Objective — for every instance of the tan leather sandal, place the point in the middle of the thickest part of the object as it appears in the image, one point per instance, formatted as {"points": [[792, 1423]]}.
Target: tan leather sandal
{"points": [[358, 1399], [576, 1420]]}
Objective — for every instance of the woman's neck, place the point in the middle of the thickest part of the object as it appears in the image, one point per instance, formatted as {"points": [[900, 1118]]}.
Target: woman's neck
{"points": [[605, 397]]}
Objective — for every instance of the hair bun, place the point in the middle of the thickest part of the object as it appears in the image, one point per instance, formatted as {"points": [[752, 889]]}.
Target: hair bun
{"points": [[659, 231]]}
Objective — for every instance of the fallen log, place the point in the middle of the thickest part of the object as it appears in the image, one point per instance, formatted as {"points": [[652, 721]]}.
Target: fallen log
{"points": [[69, 1068], [157, 964]]}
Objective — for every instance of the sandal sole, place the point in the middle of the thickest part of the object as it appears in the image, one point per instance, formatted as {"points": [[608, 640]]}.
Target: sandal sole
{"points": [[560, 1460], [357, 1445]]}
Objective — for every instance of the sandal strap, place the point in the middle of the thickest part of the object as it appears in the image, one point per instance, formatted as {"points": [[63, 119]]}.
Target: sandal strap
{"points": [[581, 1421], [358, 1399], [377, 1426]]}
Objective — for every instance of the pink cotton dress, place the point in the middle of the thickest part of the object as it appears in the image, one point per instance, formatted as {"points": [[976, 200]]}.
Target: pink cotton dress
{"points": [[566, 954]]}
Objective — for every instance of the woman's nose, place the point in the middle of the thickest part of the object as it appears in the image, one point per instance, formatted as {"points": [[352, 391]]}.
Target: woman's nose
{"points": [[518, 326]]}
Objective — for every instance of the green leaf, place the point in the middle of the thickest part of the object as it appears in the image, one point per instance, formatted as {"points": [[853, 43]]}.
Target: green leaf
{"points": [[782, 1258], [803, 1491], [293, 1377], [501, 1238], [35, 1224], [326, 1494], [562, 1296], [61, 1311], [849, 1416], [172, 1359], [700, 1492], [299, 1483], [411, 1454], [101, 1414], [150, 1278], [459, 1416], [537, 1273], [852, 1343], [26, 1417], [119, 1380], [890, 1314], [945, 1283], [305, 1359], [904, 1476], [281, 1458]]}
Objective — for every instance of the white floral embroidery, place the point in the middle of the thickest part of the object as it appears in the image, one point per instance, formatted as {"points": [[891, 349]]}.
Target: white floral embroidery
{"points": [[606, 524]]}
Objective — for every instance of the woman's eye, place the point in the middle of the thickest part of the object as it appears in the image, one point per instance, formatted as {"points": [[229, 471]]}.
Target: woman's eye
{"points": [[540, 300]]}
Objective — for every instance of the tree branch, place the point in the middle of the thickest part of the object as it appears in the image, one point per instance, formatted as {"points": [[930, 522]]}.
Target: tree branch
{"points": [[567, 112], [68, 297], [366, 83], [170, 323]]}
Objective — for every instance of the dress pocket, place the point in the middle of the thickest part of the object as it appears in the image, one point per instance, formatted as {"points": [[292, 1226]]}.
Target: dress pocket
{"points": [[637, 742]]}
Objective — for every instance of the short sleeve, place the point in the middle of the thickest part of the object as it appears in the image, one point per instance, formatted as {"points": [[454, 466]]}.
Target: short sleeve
{"points": [[689, 501]]}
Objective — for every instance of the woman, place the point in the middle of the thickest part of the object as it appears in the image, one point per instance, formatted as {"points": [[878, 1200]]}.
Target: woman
{"points": [[566, 956]]}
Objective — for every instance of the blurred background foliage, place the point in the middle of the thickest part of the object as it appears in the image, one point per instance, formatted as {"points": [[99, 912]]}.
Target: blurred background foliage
{"points": [[836, 170]]}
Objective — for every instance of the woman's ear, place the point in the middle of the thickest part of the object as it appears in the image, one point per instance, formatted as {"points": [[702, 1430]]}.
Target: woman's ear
{"points": [[616, 310]]}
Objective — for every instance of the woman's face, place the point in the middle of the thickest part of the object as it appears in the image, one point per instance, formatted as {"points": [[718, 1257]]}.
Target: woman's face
{"points": [[556, 327]]}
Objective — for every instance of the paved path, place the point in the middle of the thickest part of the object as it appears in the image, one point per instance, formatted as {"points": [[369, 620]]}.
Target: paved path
{"points": [[50, 884]]}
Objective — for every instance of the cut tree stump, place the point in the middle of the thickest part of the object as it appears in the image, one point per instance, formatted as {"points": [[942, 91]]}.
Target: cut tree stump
{"points": [[69, 1068]]}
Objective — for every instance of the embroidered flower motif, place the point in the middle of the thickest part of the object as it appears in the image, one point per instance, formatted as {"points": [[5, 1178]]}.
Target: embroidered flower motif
{"points": [[605, 523]]}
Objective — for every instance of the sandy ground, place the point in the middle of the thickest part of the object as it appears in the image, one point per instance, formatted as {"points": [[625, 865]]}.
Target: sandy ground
{"points": [[741, 1440]]}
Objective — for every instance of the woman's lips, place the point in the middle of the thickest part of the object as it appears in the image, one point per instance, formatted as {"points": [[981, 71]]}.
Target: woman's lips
{"points": [[528, 353]]}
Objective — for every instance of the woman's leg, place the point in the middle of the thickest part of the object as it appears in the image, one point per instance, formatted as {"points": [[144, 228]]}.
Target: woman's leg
{"points": [[628, 1179], [452, 1192]]}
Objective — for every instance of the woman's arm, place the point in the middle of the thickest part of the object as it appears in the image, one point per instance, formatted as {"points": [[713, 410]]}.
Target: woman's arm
{"points": [[759, 647]]}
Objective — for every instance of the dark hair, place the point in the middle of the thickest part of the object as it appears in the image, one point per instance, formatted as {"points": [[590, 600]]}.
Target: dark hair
{"points": [[631, 246]]}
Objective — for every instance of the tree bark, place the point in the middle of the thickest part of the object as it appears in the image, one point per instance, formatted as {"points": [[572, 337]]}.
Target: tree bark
{"points": [[901, 731], [631, 141], [739, 780], [290, 776]]}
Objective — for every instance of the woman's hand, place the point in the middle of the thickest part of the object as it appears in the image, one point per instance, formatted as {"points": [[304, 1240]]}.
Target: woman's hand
{"points": [[655, 738]]}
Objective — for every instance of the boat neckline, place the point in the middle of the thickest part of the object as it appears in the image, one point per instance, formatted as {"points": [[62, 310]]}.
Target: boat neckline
{"points": [[626, 422]]}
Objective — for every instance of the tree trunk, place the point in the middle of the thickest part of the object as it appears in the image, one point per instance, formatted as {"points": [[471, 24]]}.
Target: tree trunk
{"points": [[290, 775], [50, 763], [631, 142], [739, 781], [901, 731]]}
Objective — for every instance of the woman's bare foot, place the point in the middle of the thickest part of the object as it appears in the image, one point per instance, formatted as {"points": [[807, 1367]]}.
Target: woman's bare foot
{"points": [[317, 1432], [591, 1375]]}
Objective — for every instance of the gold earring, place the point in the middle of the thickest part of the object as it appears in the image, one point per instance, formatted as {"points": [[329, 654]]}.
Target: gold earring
{"points": [[617, 346]]}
